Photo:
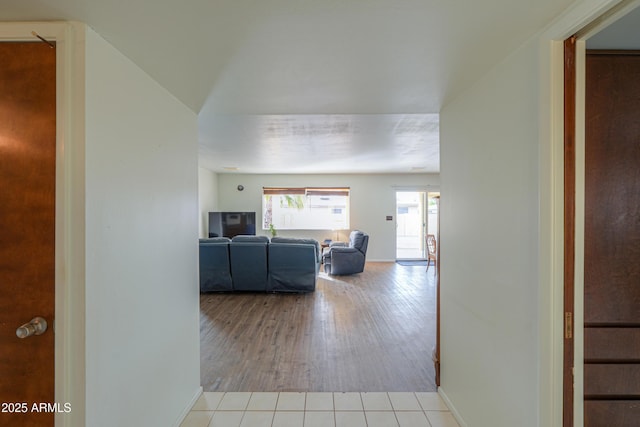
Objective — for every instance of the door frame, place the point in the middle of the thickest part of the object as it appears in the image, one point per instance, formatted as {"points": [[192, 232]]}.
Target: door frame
{"points": [[583, 20], [69, 324]]}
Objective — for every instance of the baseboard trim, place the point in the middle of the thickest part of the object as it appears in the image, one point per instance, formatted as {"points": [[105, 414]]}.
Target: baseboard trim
{"points": [[452, 408], [381, 260], [187, 409]]}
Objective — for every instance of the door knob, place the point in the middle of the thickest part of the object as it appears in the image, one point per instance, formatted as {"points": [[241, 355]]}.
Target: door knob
{"points": [[37, 326]]}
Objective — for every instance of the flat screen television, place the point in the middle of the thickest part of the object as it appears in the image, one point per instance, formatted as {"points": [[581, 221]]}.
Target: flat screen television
{"points": [[230, 224]]}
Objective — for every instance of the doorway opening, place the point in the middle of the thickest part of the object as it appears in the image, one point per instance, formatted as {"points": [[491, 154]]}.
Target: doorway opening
{"points": [[603, 59], [416, 218], [411, 224]]}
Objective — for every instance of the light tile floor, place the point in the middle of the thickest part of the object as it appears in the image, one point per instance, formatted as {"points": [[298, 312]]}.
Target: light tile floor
{"points": [[289, 409]]}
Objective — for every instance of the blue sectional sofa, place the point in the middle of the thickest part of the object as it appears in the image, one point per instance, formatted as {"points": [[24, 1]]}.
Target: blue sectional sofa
{"points": [[255, 263]]}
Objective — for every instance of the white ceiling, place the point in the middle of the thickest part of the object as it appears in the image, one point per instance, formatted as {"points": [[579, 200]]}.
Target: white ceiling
{"points": [[369, 143], [622, 34], [313, 86]]}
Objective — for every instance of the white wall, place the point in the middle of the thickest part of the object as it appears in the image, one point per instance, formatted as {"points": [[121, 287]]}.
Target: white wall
{"points": [[142, 342], [489, 246], [207, 198], [372, 199]]}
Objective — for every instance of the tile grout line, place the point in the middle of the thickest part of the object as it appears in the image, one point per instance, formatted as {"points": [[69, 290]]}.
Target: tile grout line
{"points": [[304, 414], [333, 400]]}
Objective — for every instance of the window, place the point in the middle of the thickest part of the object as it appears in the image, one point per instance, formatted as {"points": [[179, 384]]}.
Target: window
{"points": [[313, 208]]}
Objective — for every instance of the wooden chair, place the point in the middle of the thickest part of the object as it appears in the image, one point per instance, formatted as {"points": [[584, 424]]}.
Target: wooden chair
{"points": [[431, 248]]}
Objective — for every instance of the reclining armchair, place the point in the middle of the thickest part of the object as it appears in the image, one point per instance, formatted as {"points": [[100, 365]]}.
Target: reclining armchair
{"points": [[346, 258]]}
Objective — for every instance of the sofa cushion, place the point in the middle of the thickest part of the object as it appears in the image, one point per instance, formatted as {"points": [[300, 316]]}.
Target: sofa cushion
{"points": [[250, 239], [249, 262], [356, 239], [215, 240], [293, 267], [297, 240], [278, 239], [215, 272]]}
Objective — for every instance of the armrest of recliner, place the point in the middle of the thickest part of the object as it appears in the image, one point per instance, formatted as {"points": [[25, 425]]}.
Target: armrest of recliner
{"points": [[328, 253], [343, 250], [338, 244]]}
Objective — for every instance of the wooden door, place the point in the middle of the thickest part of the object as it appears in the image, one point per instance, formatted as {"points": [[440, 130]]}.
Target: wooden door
{"points": [[27, 230], [612, 240]]}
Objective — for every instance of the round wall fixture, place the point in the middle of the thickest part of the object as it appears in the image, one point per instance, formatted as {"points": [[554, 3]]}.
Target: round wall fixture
{"points": [[240, 187]]}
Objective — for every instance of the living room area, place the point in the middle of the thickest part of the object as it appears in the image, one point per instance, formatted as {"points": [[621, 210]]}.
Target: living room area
{"points": [[369, 335], [372, 199], [368, 332]]}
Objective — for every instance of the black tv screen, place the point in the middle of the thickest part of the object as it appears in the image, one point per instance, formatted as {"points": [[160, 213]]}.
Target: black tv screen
{"points": [[230, 224]]}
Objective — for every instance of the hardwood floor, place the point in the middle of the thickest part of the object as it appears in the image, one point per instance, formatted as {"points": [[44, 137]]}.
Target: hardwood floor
{"points": [[374, 331]]}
